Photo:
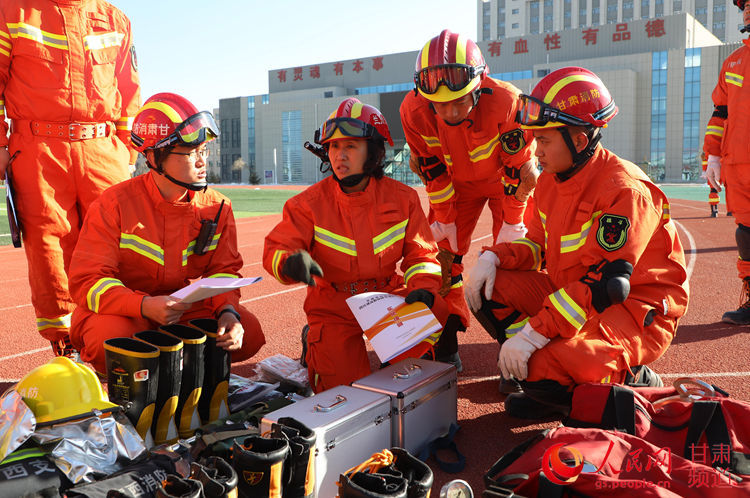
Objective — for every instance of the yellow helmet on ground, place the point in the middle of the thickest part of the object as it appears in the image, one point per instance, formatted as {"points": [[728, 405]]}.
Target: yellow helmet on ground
{"points": [[62, 388]]}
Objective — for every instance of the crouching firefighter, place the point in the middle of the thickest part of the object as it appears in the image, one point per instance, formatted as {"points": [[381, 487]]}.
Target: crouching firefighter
{"points": [[615, 283]]}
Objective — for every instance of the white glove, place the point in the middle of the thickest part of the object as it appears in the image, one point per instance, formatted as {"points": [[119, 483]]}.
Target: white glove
{"points": [[445, 231], [516, 351], [713, 172], [509, 233], [482, 275]]}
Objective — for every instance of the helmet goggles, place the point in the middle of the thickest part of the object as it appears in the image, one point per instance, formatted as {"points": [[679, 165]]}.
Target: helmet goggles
{"points": [[195, 130], [346, 127], [453, 76], [536, 114]]}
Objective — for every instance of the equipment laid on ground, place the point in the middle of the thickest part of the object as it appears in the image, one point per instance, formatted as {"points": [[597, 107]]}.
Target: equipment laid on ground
{"points": [[393, 473], [350, 424], [213, 401], [423, 400]]}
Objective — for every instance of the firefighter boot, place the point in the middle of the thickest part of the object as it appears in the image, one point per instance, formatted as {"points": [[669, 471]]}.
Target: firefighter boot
{"points": [[303, 338], [302, 456], [218, 477], [364, 485], [176, 487], [741, 316], [132, 379], [714, 211], [498, 330], [213, 401], [170, 376], [260, 465], [446, 349], [642, 376], [539, 399], [193, 352], [63, 347], [418, 475]]}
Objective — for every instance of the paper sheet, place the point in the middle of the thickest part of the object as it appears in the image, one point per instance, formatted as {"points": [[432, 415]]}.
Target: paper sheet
{"points": [[391, 325], [209, 287]]}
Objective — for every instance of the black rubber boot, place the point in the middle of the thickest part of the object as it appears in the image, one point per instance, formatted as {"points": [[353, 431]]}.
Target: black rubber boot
{"points": [[539, 399], [508, 386], [418, 475], [364, 485], [303, 338], [302, 456], [260, 466], [176, 487], [132, 381], [218, 477], [193, 361], [170, 377], [446, 349], [741, 316], [213, 403], [642, 377], [714, 211]]}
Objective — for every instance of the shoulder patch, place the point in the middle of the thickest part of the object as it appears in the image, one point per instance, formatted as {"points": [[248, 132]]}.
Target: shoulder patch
{"points": [[512, 141], [613, 231]]}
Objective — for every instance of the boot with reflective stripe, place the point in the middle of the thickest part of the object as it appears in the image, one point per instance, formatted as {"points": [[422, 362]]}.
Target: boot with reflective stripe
{"points": [[213, 403], [218, 477], [260, 466], [193, 368], [741, 316], [170, 376], [364, 485], [176, 487], [302, 456]]}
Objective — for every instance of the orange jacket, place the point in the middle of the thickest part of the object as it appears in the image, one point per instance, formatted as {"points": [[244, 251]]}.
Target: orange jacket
{"points": [[135, 243], [728, 128], [608, 210], [67, 61], [487, 145], [359, 236]]}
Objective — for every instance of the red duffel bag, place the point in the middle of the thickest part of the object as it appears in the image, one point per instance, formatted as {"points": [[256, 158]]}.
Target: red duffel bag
{"points": [[693, 419]]}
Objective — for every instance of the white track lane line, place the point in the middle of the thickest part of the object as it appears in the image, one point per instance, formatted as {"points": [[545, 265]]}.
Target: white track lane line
{"points": [[25, 353], [696, 375]]}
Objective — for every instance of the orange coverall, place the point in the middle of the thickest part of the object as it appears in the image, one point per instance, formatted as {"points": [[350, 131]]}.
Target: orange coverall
{"points": [[358, 239], [726, 137], [482, 155], [67, 71], [135, 244], [608, 210]]}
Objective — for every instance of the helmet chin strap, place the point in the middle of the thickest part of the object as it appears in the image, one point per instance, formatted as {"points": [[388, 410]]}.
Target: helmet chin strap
{"points": [[351, 180], [745, 28], [579, 158], [195, 187]]}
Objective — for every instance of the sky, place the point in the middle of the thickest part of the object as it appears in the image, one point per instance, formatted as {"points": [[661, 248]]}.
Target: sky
{"points": [[216, 49]]}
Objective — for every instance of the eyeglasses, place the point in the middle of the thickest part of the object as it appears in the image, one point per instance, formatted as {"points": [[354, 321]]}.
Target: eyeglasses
{"points": [[195, 130], [349, 127], [453, 76], [194, 154]]}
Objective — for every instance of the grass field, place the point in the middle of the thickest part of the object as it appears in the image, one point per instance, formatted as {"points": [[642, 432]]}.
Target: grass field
{"points": [[252, 201]]}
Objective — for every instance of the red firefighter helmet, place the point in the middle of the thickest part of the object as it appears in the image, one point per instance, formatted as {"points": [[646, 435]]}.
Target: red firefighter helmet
{"points": [[740, 4], [353, 119], [168, 119], [571, 96], [448, 67]]}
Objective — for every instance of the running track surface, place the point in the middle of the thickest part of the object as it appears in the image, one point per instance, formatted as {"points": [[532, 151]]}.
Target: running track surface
{"points": [[704, 347]]}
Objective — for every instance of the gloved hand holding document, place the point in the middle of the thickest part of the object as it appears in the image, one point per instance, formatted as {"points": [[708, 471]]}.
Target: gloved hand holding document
{"points": [[391, 325], [210, 287]]}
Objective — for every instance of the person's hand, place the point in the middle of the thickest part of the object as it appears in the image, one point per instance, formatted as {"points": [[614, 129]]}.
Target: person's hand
{"points": [[4, 160], [515, 353], [713, 172], [301, 267], [131, 169], [481, 278], [163, 310], [229, 333], [421, 295], [509, 233], [445, 231]]}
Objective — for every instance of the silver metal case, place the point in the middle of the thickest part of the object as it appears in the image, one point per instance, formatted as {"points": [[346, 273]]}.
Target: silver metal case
{"points": [[423, 400], [350, 425]]}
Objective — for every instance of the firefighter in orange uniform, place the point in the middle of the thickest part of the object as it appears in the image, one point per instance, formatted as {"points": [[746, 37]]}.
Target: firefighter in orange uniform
{"points": [[727, 150], [345, 235], [615, 283], [465, 145], [140, 241], [69, 85]]}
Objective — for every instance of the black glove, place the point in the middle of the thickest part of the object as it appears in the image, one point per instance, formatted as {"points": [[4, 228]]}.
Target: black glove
{"points": [[609, 283], [421, 295], [301, 267]]}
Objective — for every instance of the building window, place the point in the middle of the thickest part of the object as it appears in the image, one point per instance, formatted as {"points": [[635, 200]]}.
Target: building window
{"points": [[541, 73], [328, 94], [514, 11], [291, 147], [644, 9], [677, 6], [264, 99], [514, 25], [251, 133], [692, 133], [656, 165], [658, 8]]}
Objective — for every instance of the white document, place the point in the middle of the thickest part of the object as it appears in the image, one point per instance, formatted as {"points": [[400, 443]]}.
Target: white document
{"points": [[391, 325], [210, 287]]}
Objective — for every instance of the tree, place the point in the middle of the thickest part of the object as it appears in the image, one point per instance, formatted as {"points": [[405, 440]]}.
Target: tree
{"points": [[254, 178]]}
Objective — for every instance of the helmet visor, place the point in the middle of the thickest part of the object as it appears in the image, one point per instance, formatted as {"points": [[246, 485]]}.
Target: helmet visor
{"points": [[537, 114], [197, 129], [347, 127], [453, 76]]}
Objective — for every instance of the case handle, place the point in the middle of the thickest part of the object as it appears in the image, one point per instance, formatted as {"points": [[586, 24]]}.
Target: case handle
{"points": [[409, 372], [340, 400]]}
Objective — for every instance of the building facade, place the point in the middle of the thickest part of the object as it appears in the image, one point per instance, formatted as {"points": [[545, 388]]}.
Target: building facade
{"points": [[661, 73]]}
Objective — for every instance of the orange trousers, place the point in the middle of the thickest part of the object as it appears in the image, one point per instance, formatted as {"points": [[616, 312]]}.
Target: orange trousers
{"points": [[89, 330], [737, 182], [336, 351], [605, 347], [55, 182]]}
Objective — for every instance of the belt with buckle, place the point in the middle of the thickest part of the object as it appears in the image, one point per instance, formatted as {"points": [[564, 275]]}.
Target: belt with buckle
{"points": [[359, 286], [67, 131]]}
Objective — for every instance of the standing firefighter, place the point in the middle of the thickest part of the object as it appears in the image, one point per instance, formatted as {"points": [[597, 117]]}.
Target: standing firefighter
{"points": [[615, 283], [467, 148], [69, 85], [728, 149], [350, 231]]}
